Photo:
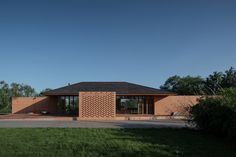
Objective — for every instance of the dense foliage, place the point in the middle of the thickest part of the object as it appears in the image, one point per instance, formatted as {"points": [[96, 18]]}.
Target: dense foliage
{"points": [[216, 114], [184, 85], [229, 95], [212, 85]]}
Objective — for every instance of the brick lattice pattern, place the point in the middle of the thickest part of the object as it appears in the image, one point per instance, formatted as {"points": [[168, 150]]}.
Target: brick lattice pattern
{"points": [[96, 105]]}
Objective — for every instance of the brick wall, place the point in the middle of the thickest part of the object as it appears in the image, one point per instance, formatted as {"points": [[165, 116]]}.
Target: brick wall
{"points": [[34, 104], [165, 105], [97, 105]]}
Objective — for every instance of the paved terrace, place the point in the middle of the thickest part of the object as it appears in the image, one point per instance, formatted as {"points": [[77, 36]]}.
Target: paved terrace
{"points": [[33, 121], [92, 124]]}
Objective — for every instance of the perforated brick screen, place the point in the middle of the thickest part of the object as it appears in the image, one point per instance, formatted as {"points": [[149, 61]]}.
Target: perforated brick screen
{"points": [[96, 105]]}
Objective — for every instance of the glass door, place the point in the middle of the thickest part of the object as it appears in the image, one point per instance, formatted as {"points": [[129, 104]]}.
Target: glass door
{"points": [[68, 105]]}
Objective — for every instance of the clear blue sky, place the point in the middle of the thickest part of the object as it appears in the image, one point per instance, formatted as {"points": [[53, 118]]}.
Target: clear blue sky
{"points": [[49, 44]]}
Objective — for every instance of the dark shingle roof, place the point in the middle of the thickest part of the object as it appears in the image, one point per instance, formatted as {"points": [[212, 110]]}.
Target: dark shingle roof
{"points": [[118, 87]]}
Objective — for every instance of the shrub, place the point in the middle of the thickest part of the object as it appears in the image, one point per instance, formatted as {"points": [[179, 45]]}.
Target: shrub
{"points": [[6, 110], [211, 115], [232, 127], [229, 98]]}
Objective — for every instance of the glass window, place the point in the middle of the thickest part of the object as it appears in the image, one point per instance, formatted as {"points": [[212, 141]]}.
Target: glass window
{"points": [[134, 105], [68, 105]]}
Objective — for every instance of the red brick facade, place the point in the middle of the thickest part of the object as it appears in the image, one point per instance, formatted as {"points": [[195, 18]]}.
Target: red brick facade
{"points": [[97, 105], [167, 105], [34, 104]]}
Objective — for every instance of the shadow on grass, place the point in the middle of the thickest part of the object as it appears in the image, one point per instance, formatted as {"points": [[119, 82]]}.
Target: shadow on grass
{"points": [[111, 143], [182, 142]]}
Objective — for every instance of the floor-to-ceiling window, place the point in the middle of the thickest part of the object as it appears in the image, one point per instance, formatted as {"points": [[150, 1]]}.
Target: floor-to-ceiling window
{"points": [[68, 105], [135, 105]]}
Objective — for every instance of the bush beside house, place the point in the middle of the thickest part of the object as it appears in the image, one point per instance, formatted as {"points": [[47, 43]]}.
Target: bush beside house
{"points": [[216, 114]]}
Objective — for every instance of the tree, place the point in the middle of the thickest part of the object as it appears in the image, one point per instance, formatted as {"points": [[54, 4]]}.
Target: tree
{"points": [[229, 78], [213, 84], [4, 95], [171, 83], [44, 90], [14, 90], [28, 91], [185, 85], [191, 86], [18, 90]]}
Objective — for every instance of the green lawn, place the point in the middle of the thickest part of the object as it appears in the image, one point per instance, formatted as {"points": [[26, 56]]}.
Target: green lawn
{"points": [[111, 142]]}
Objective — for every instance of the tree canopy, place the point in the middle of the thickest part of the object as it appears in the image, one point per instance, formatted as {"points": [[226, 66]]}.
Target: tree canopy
{"points": [[196, 85], [14, 90]]}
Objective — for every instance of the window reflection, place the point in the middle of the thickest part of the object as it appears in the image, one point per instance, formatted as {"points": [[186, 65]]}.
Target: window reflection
{"points": [[68, 105], [135, 105]]}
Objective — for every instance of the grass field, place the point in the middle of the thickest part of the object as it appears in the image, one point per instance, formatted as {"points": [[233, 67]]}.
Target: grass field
{"points": [[111, 143]]}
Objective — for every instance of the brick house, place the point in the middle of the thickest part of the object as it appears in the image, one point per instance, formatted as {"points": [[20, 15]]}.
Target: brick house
{"points": [[105, 100]]}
